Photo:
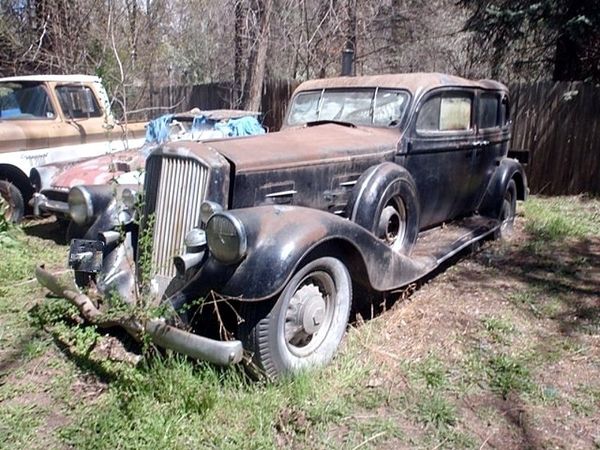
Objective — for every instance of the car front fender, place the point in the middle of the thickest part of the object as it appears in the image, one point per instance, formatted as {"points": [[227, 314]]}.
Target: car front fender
{"points": [[282, 238]]}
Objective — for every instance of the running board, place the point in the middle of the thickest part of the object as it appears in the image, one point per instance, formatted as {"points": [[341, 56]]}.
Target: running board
{"points": [[439, 244]]}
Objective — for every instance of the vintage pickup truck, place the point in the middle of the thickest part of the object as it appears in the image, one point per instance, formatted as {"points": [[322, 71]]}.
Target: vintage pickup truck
{"points": [[52, 118], [372, 183], [120, 174]]}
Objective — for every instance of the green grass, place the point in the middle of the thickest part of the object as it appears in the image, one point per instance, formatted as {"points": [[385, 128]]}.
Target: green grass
{"points": [[555, 218], [168, 401]]}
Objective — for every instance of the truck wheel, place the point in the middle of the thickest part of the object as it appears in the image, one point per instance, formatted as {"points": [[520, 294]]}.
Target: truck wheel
{"points": [[508, 211], [305, 326], [14, 206]]}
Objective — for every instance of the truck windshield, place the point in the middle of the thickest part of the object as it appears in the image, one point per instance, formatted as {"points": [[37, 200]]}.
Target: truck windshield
{"points": [[24, 101], [379, 107]]}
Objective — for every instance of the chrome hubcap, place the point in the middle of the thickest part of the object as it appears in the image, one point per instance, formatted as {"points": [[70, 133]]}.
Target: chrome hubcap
{"points": [[392, 224], [309, 314]]}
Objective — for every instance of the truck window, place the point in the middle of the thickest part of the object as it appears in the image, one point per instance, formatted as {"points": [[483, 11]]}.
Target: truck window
{"points": [[488, 111], [78, 102], [446, 112], [24, 101]]}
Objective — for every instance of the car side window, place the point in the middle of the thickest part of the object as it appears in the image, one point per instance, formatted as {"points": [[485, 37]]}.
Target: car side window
{"points": [[78, 102], [504, 111], [446, 112], [489, 111]]}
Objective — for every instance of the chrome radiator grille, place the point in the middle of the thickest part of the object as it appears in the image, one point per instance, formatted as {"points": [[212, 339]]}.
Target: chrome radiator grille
{"points": [[175, 189]]}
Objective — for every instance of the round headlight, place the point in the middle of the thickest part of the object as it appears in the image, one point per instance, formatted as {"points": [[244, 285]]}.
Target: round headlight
{"points": [[128, 198], [226, 238], [81, 208]]}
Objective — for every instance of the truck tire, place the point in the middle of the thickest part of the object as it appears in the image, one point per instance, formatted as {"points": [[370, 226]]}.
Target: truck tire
{"points": [[14, 206], [303, 328], [385, 203]]}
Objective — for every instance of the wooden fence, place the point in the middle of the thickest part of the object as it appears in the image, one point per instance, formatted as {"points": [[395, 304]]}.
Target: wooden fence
{"points": [[559, 123]]}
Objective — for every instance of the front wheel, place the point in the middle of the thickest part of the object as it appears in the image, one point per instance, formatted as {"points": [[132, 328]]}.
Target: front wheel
{"points": [[305, 326]]}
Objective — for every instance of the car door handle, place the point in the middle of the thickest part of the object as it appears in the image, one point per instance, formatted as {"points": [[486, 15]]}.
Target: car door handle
{"points": [[481, 143]]}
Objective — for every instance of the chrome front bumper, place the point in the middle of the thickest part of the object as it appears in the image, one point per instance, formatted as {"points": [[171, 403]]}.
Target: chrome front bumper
{"points": [[41, 203]]}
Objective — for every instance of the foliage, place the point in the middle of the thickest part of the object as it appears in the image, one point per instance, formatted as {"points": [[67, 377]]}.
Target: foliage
{"points": [[565, 33]]}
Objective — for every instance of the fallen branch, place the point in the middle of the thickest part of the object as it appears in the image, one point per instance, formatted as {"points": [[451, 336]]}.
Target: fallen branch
{"points": [[167, 336]]}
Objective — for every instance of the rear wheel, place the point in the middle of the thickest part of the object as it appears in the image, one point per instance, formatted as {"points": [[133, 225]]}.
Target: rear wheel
{"points": [[12, 202], [305, 325], [391, 228], [508, 211]]}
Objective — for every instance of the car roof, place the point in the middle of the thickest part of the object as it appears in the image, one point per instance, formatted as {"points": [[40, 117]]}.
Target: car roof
{"points": [[415, 83], [75, 78]]}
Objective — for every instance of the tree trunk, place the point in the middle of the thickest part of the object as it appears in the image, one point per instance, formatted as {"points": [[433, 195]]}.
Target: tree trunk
{"points": [[256, 69], [238, 52]]}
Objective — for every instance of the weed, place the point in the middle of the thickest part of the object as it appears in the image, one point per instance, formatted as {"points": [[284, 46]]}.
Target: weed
{"points": [[434, 409], [432, 373], [507, 374], [498, 328]]}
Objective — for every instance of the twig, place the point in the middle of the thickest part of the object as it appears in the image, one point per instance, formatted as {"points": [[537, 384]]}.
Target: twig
{"points": [[366, 441]]}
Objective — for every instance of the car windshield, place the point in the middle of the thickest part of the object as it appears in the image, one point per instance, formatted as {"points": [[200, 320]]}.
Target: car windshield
{"points": [[377, 106], [24, 101]]}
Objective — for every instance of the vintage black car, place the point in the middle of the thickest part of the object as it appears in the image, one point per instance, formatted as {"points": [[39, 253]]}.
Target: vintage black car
{"points": [[371, 184]]}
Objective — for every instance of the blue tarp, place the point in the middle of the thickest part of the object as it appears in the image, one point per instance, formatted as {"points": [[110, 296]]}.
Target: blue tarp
{"points": [[244, 126], [159, 128]]}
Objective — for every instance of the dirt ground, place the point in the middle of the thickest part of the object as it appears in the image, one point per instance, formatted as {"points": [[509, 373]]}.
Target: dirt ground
{"points": [[539, 309]]}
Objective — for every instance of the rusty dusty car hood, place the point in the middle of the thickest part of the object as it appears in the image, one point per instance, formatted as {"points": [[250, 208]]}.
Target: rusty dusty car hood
{"points": [[304, 145], [99, 170]]}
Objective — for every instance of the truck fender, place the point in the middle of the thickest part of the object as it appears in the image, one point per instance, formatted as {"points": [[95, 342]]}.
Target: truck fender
{"points": [[280, 239], [374, 190], [508, 169]]}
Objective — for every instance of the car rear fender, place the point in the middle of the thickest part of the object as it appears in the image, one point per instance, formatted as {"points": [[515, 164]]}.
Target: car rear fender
{"points": [[508, 169]]}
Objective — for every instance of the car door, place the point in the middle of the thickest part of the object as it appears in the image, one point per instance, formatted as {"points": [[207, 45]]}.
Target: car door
{"points": [[493, 135], [439, 151]]}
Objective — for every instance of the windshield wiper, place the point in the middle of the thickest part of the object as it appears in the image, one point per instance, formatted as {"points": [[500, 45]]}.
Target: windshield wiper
{"points": [[315, 123]]}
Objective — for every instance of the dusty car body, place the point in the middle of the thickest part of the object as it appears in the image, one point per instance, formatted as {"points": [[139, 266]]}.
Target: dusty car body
{"points": [[372, 183], [122, 171], [52, 118]]}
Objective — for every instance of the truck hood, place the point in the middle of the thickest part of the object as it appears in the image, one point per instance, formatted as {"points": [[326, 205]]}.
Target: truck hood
{"points": [[304, 145]]}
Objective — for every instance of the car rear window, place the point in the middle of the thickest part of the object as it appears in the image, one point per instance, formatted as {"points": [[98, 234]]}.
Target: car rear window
{"points": [[488, 111]]}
